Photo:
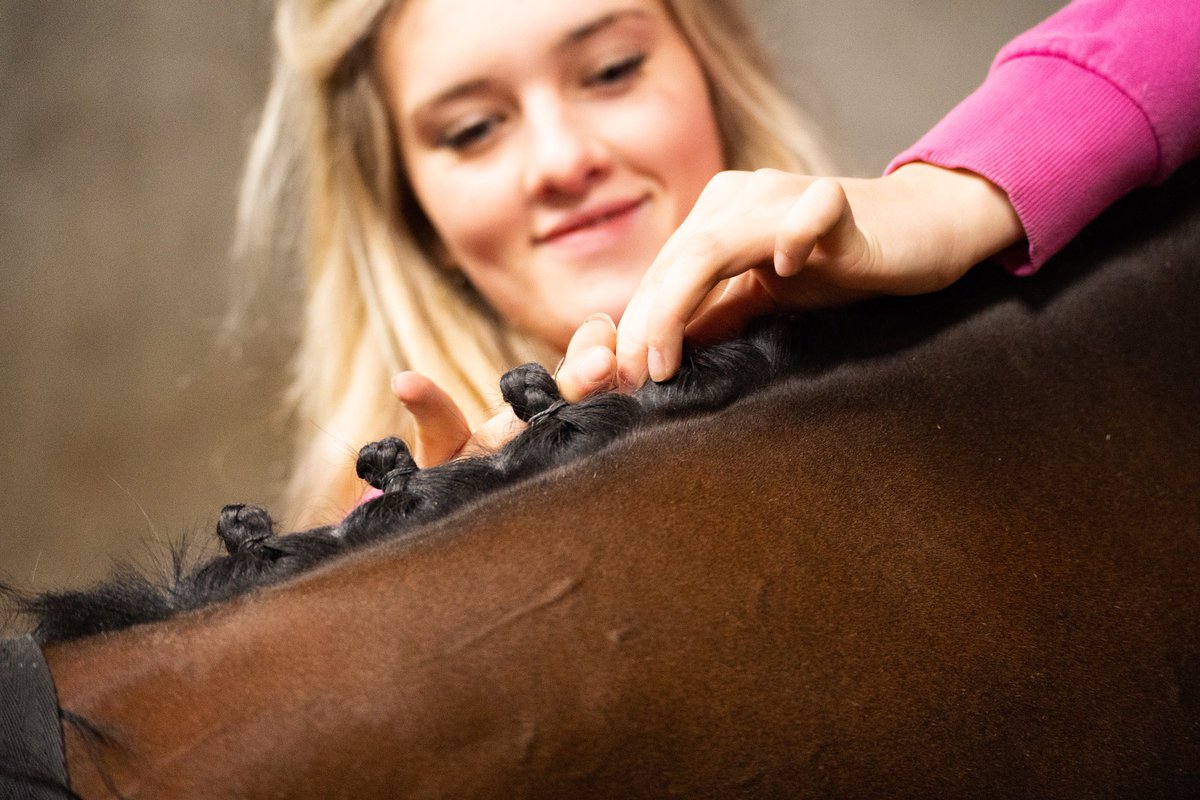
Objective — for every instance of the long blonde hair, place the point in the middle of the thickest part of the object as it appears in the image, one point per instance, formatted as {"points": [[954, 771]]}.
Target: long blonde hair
{"points": [[323, 185]]}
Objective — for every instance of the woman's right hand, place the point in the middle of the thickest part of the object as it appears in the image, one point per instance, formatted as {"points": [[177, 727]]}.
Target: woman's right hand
{"points": [[442, 431]]}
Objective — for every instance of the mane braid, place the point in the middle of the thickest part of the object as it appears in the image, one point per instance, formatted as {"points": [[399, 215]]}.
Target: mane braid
{"points": [[709, 379]]}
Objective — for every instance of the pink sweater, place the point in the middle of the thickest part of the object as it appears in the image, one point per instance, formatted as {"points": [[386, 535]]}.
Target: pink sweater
{"points": [[1099, 99]]}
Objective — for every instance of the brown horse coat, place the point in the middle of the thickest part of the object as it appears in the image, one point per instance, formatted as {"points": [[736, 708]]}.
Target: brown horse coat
{"points": [[958, 557]]}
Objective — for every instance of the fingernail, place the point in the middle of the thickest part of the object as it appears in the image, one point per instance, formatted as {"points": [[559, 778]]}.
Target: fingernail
{"points": [[596, 366], [600, 316], [783, 264], [625, 383], [657, 364]]}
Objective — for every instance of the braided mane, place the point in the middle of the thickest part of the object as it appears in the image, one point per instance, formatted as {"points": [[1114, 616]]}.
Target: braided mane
{"points": [[709, 379]]}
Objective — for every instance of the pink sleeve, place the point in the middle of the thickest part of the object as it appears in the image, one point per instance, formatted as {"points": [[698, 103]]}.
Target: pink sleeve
{"points": [[1099, 99]]}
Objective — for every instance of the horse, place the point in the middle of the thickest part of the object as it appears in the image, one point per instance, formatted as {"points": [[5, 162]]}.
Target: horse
{"points": [[950, 548]]}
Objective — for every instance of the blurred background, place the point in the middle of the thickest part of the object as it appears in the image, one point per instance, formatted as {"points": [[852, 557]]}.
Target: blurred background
{"points": [[123, 128]]}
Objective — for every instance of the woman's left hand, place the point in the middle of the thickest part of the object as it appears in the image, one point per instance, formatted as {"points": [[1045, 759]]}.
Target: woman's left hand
{"points": [[758, 242]]}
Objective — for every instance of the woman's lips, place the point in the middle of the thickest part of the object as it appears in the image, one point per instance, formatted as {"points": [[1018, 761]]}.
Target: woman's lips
{"points": [[594, 228]]}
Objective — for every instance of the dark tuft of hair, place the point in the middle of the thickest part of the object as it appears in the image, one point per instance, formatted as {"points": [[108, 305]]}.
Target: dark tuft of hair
{"points": [[126, 598]]}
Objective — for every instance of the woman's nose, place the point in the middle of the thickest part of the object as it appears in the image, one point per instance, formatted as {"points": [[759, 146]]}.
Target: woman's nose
{"points": [[566, 156]]}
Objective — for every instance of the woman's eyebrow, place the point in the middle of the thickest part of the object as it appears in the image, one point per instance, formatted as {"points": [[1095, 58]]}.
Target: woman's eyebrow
{"points": [[455, 92], [589, 29], [572, 38]]}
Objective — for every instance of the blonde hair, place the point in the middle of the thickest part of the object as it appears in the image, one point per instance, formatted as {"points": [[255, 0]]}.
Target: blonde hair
{"points": [[323, 184]]}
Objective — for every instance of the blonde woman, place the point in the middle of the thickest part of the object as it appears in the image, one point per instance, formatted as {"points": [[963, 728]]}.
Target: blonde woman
{"points": [[472, 184], [384, 294]]}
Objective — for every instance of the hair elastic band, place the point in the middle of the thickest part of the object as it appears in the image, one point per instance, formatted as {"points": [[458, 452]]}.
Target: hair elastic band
{"points": [[547, 411]]}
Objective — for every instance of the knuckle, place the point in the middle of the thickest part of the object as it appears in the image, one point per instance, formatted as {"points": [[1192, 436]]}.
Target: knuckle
{"points": [[831, 188], [701, 246], [724, 182]]}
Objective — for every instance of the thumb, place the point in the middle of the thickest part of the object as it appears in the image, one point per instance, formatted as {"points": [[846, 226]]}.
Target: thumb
{"points": [[442, 430], [590, 364], [820, 217]]}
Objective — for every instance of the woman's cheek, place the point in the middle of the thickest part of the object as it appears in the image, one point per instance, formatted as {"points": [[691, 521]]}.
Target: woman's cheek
{"points": [[683, 150], [477, 225]]}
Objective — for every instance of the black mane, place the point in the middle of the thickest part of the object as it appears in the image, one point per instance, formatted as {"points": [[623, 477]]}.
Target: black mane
{"points": [[709, 379]]}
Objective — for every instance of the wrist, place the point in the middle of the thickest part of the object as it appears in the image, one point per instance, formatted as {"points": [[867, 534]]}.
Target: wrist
{"points": [[971, 218]]}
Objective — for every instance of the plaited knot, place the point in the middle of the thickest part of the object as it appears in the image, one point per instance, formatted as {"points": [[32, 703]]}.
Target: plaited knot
{"points": [[242, 527], [531, 391], [387, 464]]}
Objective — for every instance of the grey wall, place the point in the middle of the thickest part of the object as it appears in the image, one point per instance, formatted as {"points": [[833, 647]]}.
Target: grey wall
{"points": [[122, 129], [878, 73]]}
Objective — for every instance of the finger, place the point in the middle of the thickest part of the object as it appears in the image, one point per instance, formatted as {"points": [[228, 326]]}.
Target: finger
{"points": [[598, 330], [590, 364], [760, 293], [649, 338], [695, 273], [631, 332], [815, 211], [593, 371], [821, 214], [631, 347], [442, 430], [731, 228], [631, 344]]}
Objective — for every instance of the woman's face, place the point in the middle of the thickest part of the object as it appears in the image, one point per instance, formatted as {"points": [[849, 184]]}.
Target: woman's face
{"points": [[554, 145]]}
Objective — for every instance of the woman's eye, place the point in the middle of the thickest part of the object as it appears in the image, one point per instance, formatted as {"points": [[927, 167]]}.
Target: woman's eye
{"points": [[463, 137], [617, 71]]}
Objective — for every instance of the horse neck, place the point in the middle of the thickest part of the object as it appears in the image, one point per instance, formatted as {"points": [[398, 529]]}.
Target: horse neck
{"points": [[338, 684], [216, 697]]}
